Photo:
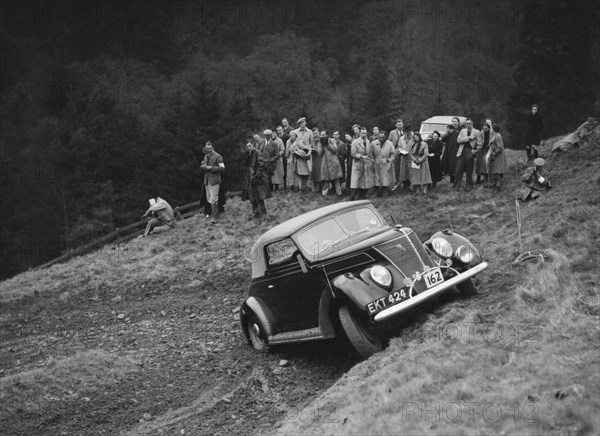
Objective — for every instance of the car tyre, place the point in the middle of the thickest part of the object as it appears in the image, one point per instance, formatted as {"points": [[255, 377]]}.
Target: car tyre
{"points": [[257, 338], [467, 288], [363, 341]]}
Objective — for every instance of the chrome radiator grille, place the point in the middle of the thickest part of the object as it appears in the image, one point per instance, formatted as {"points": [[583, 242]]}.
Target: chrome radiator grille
{"points": [[408, 255]]}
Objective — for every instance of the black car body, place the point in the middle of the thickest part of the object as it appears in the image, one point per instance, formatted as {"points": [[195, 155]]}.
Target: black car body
{"points": [[342, 267]]}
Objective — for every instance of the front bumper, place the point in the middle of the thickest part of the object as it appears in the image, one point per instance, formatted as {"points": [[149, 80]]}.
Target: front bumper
{"points": [[423, 296]]}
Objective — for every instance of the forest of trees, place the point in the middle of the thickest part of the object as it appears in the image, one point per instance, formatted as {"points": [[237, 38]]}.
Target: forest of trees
{"points": [[106, 103]]}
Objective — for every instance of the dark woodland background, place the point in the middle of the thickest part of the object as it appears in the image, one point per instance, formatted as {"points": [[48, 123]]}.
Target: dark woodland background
{"points": [[105, 104]]}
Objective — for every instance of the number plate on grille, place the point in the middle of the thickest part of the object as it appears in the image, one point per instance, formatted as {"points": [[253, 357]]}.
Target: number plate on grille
{"points": [[433, 277]]}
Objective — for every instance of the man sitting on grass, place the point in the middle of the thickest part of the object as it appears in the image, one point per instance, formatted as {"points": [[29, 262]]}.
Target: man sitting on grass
{"points": [[160, 216]]}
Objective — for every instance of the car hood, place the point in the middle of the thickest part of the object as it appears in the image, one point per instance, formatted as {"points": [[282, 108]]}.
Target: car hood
{"points": [[367, 240]]}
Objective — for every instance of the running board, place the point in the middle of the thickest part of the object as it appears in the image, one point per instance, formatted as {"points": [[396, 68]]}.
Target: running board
{"points": [[306, 335]]}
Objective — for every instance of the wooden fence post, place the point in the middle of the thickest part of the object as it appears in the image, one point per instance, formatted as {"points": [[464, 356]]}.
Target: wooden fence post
{"points": [[118, 242]]}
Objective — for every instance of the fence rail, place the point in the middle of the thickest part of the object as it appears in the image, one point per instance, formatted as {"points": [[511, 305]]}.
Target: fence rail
{"points": [[122, 234]]}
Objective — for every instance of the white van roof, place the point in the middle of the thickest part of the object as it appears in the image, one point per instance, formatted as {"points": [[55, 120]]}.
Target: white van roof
{"points": [[443, 119]]}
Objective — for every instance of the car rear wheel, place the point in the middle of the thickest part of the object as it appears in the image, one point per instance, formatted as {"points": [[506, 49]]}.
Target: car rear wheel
{"points": [[256, 333], [364, 341], [467, 288]]}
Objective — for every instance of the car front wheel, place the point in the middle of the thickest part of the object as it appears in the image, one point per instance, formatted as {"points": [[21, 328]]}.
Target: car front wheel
{"points": [[467, 288], [364, 341], [257, 335]]}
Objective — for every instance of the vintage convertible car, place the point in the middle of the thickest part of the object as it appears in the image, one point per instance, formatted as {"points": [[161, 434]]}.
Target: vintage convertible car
{"points": [[343, 268]]}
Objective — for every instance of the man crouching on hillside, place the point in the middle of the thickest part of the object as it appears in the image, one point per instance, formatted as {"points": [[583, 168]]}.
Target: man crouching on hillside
{"points": [[160, 213], [213, 166]]}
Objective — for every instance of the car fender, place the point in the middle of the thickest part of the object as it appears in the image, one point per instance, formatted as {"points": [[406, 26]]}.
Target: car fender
{"points": [[325, 322], [257, 307], [455, 240], [354, 290]]}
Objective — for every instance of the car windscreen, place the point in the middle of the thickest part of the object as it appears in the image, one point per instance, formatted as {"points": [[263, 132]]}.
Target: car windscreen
{"points": [[360, 220], [430, 127], [321, 239]]}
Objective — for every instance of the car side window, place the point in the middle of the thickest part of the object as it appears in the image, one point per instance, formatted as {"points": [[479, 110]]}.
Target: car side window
{"points": [[280, 251]]}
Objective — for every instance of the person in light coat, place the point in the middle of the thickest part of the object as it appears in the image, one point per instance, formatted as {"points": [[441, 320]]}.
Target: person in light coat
{"points": [[160, 216], [331, 171], [384, 154], [497, 158], [362, 173], [420, 176], [467, 145], [400, 139], [290, 159], [278, 174]]}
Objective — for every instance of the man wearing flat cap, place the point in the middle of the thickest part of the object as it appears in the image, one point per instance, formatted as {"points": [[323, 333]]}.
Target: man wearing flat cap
{"points": [[269, 153], [535, 179]]}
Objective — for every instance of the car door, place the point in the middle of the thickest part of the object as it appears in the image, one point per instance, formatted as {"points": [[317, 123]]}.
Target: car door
{"points": [[291, 293]]}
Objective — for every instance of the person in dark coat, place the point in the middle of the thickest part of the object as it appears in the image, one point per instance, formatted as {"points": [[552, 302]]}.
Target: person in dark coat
{"points": [[496, 158], [532, 135], [342, 154], [536, 181], [483, 145], [349, 159], [255, 185], [450, 148], [435, 158]]}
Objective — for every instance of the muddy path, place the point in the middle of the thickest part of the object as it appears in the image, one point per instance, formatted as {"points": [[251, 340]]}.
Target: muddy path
{"points": [[190, 373]]}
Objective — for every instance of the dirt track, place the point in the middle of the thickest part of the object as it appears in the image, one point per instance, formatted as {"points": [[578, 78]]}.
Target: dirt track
{"points": [[191, 371]]}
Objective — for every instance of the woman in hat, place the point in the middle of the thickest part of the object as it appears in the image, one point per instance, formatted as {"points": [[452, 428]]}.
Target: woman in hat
{"points": [[532, 135], [497, 158]]}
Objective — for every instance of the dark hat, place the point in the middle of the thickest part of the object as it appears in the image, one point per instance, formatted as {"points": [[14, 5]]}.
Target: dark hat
{"points": [[539, 162], [300, 120]]}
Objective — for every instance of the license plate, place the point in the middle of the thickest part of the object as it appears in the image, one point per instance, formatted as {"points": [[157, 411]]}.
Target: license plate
{"points": [[433, 277], [389, 300]]}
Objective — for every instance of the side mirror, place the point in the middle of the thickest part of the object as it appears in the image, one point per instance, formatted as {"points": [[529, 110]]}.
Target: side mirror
{"points": [[302, 263], [395, 220]]}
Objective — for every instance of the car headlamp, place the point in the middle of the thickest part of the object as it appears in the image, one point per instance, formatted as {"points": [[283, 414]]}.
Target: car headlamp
{"points": [[466, 253], [381, 275], [442, 247]]}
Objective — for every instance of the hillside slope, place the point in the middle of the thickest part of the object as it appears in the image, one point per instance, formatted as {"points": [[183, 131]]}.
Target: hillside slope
{"points": [[523, 357], [141, 339]]}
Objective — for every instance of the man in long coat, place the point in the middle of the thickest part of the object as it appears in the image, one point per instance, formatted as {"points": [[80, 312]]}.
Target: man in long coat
{"points": [[449, 153], [400, 140], [269, 151], [305, 136], [384, 154], [278, 175], [467, 144], [331, 171], [362, 172]]}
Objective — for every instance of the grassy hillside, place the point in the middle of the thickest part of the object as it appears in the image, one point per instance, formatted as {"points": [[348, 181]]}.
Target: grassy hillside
{"points": [[141, 339], [523, 357]]}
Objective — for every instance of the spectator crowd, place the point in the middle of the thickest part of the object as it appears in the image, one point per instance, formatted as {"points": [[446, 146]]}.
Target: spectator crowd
{"points": [[366, 161]]}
